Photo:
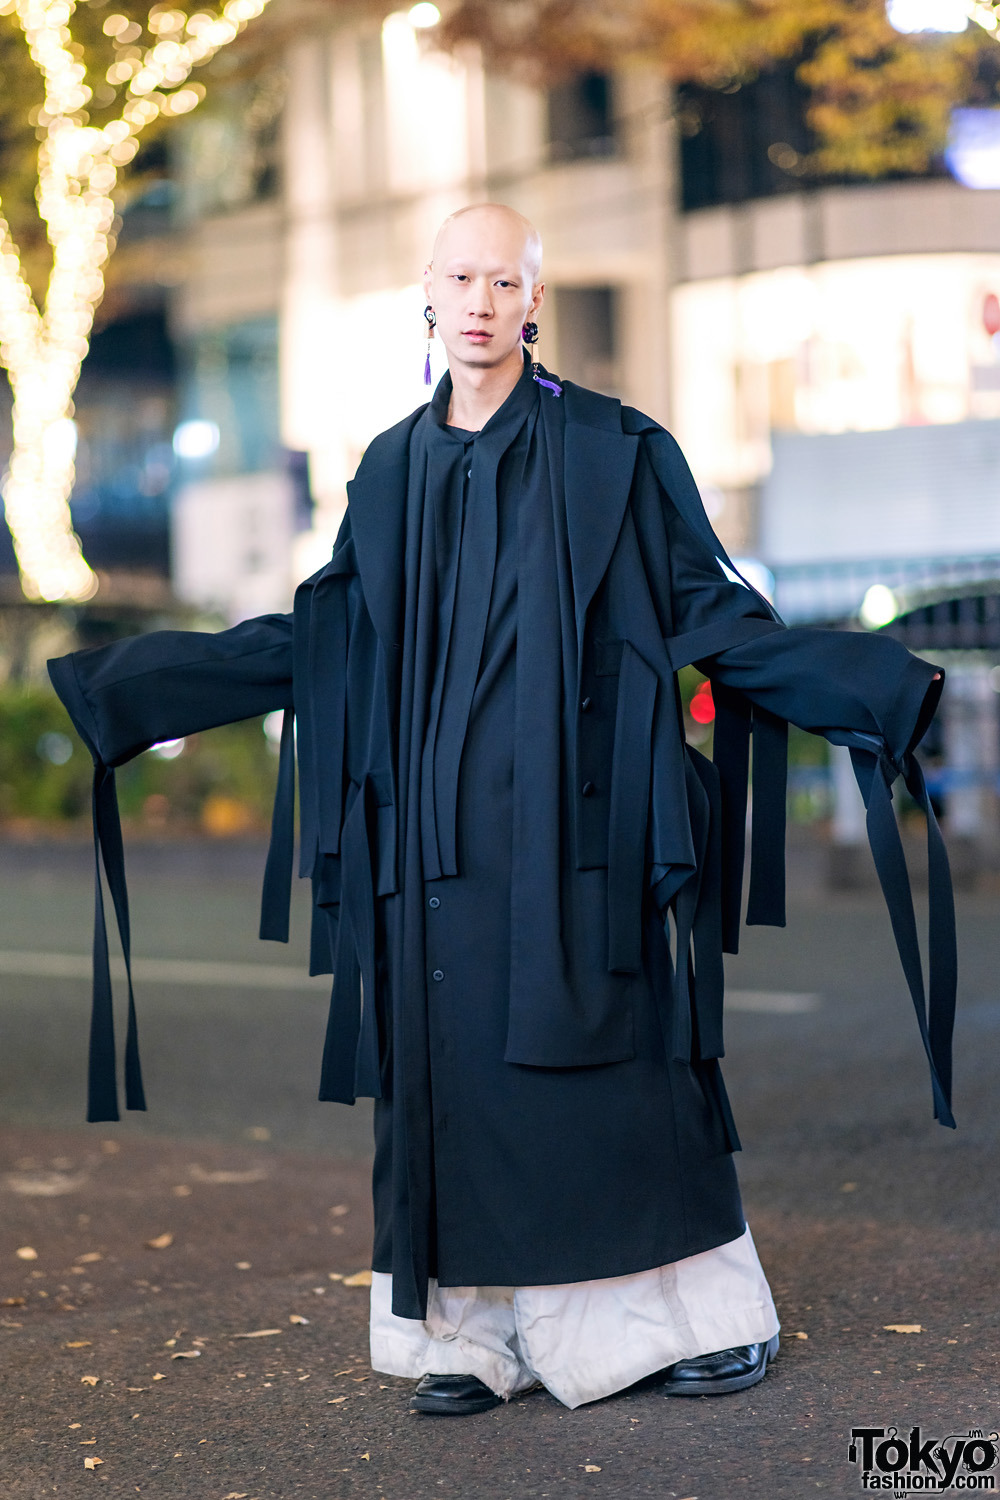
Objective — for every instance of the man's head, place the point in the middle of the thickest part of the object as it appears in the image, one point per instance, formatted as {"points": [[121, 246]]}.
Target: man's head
{"points": [[483, 283]]}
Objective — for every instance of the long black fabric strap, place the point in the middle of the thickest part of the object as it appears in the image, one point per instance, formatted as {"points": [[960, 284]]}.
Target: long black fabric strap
{"points": [[102, 1085], [935, 1008], [350, 1067], [736, 720], [769, 779], [276, 894]]}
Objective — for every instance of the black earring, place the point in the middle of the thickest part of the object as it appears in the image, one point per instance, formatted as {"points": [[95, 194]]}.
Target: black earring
{"points": [[529, 333], [431, 317]]}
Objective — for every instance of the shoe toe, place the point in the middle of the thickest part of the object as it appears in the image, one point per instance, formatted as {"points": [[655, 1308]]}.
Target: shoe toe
{"points": [[453, 1395]]}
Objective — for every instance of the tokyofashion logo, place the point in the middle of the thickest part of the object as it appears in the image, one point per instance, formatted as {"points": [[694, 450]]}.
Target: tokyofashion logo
{"points": [[918, 1465]]}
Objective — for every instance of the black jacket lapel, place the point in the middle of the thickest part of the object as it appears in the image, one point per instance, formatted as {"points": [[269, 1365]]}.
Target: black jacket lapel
{"points": [[599, 462]]}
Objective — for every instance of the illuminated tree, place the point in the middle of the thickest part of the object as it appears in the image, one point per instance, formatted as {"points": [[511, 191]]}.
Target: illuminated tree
{"points": [[878, 100], [102, 79]]}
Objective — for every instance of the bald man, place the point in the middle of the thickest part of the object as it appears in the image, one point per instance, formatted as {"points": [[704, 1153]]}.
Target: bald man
{"points": [[523, 878]]}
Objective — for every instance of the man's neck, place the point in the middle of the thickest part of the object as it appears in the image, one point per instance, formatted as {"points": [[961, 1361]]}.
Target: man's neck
{"points": [[478, 393]]}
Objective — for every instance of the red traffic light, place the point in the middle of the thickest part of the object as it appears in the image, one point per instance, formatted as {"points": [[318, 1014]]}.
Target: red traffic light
{"points": [[702, 709]]}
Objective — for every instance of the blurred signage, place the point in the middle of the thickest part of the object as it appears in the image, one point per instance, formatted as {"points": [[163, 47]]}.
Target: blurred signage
{"points": [[927, 15], [973, 151]]}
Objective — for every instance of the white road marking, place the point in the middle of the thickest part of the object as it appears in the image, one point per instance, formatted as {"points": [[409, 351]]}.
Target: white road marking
{"points": [[205, 972], [774, 1002], [212, 974]]}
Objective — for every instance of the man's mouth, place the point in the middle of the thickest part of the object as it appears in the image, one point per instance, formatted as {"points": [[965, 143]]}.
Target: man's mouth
{"points": [[477, 335]]}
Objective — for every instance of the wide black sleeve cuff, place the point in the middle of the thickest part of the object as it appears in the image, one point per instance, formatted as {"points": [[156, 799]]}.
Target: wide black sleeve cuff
{"points": [[913, 706], [62, 673]]}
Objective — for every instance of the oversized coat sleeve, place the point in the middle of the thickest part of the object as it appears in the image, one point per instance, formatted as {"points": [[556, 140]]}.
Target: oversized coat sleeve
{"points": [[860, 689], [127, 696]]}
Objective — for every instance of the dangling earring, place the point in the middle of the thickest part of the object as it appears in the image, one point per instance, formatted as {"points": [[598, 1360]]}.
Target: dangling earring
{"points": [[529, 334], [431, 317]]}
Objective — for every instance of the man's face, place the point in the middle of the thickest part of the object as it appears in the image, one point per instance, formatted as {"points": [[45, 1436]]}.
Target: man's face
{"points": [[480, 286]]}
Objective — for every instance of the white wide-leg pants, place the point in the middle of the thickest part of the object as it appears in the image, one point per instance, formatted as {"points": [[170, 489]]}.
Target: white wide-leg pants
{"points": [[583, 1340]]}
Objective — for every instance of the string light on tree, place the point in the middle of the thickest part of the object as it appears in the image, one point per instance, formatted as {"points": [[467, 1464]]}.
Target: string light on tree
{"points": [[42, 348]]}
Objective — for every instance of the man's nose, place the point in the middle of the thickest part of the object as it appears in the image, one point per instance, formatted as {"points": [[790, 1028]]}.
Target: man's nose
{"points": [[480, 302]]}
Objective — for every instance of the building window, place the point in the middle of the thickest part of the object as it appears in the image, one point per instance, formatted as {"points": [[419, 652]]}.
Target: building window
{"points": [[580, 118], [587, 336]]}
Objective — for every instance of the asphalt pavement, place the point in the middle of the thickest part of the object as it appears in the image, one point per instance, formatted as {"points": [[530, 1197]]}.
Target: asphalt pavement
{"points": [[192, 1312]]}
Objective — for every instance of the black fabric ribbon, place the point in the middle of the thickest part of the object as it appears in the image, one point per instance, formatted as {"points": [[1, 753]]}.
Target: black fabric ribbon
{"points": [[698, 989], [736, 720], [350, 1067], [276, 894], [876, 772], [102, 1086]]}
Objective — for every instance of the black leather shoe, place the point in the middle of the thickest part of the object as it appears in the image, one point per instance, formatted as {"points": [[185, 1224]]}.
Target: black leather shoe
{"points": [[717, 1374], [453, 1396]]}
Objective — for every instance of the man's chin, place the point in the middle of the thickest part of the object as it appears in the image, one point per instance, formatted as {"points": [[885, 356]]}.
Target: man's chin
{"points": [[482, 356]]}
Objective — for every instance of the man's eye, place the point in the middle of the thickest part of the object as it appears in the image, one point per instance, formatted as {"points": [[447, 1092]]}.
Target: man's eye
{"points": [[461, 276]]}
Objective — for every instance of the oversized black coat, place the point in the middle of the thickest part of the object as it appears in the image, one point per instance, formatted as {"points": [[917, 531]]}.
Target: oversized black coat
{"points": [[653, 828]]}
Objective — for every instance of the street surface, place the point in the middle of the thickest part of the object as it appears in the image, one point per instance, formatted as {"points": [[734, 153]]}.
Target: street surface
{"points": [[239, 1206]]}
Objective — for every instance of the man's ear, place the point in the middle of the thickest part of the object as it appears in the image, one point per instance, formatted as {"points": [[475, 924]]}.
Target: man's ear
{"points": [[538, 296]]}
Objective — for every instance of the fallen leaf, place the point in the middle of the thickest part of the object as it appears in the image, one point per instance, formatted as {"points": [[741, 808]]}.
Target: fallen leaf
{"points": [[181, 1190], [591, 1468], [91, 1255], [91, 1463], [87, 1442], [110, 1148], [336, 1400], [367, 1457], [800, 1335], [134, 1390], [78, 1344], [242, 1265], [26, 1253], [44, 1184], [339, 1209], [187, 1354], [335, 1275], [848, 1187], [236, 1495], [73, 1426], [159, 1377], [903, 1327], [360, 1278], [297, 1318], [89, 1379], [12, 1302], [161, 1242], [259, 1333], [255, 1174]]}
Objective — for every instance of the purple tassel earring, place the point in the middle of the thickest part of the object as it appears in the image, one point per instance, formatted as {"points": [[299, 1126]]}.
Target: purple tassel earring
{"points": [[529, 333], [431, 317]]}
